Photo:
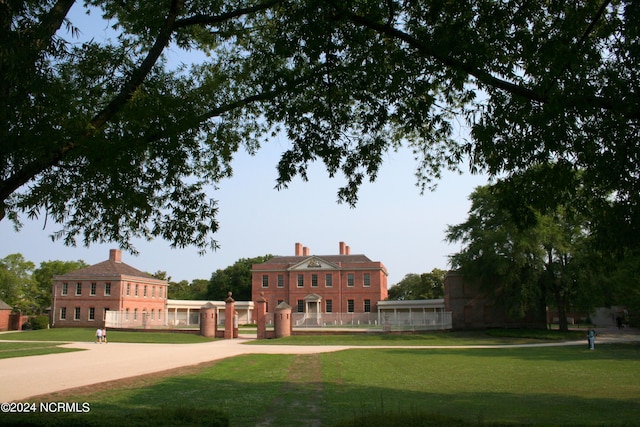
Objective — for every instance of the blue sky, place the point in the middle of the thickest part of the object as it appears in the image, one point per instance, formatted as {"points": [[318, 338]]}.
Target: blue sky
{"points": [[392, 222]]}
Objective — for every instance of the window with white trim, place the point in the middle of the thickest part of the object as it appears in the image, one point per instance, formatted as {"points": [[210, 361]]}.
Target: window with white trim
{"points": [[350, 306], [350, 280]]}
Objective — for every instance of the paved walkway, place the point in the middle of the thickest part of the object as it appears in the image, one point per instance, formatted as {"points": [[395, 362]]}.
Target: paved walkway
{"points": [[25, 377]]}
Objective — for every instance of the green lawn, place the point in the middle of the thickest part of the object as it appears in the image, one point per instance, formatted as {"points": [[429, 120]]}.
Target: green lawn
{"points": [[489, 337], [88, 335], [21, 349], [543, 386]]}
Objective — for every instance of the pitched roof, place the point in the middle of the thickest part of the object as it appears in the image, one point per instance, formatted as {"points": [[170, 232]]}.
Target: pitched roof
{"points": [[4, 306], [329, 258], [110, 268]]}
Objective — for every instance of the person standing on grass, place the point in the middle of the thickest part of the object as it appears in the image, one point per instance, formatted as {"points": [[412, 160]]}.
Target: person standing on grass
{"points": [[591, 339], [98, 336], [104, 335]]}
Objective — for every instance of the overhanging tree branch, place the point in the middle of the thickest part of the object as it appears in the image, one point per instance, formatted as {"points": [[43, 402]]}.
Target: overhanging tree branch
{"points": [[223, 17], [484, 77], [137, 77]]}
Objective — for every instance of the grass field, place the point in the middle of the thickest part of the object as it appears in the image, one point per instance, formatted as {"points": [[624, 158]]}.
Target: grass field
{"points": [[539, 386], [46, 341], [21, 349], [88, 335]]}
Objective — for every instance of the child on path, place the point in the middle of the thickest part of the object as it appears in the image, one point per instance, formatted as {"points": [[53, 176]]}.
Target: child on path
{"points": [[591, 339], [98, 336]]}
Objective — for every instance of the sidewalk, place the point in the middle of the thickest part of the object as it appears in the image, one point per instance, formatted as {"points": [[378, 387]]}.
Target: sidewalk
{"points": [[25, 377]]}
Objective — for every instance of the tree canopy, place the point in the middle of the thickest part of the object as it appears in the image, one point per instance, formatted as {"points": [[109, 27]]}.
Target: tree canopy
{"points": [[550, 262], [235, 278], [110, 141], [419, 286], [27, 288]]}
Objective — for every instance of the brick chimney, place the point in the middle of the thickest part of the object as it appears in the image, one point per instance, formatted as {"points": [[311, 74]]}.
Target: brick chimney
{"points": [[298, 249], [347, 250], [115, 255], [305, 251], [342, 245]]}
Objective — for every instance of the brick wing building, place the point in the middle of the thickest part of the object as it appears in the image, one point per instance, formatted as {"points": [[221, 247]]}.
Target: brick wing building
{"points": [[320, 285], [83, 297], [5, 314]]}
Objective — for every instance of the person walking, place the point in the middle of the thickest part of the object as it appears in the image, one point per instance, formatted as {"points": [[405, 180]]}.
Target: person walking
{"points": [[98, 336], [104, 335], [591, 339]]}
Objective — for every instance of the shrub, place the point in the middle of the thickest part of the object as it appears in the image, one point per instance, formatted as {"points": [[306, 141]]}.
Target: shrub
{"points": [[39, 322]]}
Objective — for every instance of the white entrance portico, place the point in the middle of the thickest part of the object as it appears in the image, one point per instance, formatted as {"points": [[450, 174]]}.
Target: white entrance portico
{"points": [[312, 310]]}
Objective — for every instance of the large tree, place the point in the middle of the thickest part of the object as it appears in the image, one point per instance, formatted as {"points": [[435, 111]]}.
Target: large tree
{"points": [[550, 261], [17, 287], [109, 141], [43, 278], [196, 290], [235, 278], [419, 286]]}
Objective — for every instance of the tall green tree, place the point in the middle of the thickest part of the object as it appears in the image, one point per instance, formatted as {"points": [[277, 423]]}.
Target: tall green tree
{"points": [[43, 277], [196, 290], [17, 287], [110, 141], [419, 286], [178, 290], [541, 264], [624, 281], [235, 279]]}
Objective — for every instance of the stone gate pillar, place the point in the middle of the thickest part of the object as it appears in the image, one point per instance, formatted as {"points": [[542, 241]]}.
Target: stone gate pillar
{"points": [[261, 317], [282, 320], [229, 318], [208, 320]]}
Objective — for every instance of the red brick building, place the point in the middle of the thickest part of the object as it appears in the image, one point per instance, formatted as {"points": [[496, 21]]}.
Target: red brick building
{"points": [[5, 313], [83, 297], [474, 308], [319, 285]]}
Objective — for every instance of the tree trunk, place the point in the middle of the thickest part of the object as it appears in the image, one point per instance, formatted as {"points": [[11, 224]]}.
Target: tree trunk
{"points": [[562, 311]]}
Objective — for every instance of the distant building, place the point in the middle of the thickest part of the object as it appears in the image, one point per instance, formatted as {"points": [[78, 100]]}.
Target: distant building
{"points": [[474, 308], [83, 297], [5, 313], [320, 286]]}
